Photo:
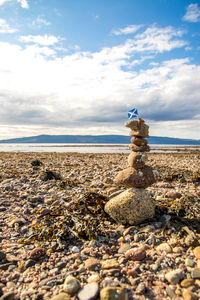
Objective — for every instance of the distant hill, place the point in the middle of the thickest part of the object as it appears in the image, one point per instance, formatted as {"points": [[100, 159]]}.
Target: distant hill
{"points": [[97, 139]]}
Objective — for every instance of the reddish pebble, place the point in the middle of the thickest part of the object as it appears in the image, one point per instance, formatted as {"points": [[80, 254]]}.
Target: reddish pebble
{"points": [[132, 273], [37, 253], [136, 254]]}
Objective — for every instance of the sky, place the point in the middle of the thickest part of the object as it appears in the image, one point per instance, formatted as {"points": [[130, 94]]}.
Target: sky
{"points": [[79, 66]]}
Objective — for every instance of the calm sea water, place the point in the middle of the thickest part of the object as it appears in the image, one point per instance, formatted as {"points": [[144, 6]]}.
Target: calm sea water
{"points": [[88, 148]]}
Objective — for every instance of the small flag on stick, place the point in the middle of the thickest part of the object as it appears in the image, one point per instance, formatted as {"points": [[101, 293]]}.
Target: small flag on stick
{"points": [[132, 114]]}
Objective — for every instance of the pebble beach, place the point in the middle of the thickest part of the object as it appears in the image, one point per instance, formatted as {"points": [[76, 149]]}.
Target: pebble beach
{"points": [[56, 241]]}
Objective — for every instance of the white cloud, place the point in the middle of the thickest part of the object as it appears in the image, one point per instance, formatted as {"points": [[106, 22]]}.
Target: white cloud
{"points": [[39, 21], [44, 40], [91, 93], [127, 30], [2, 2], [23, 3], [192, 13], [5, 27]]}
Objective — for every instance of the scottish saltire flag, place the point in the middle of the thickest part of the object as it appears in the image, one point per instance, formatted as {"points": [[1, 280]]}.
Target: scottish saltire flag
{"points": [[132, 114]]}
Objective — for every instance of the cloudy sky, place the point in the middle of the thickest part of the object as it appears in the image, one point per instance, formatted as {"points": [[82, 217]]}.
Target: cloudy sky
{"points": [[79, 66]]}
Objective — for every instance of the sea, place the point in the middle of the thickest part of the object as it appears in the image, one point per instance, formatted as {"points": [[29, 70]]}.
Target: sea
{"points": [[90, 148]]}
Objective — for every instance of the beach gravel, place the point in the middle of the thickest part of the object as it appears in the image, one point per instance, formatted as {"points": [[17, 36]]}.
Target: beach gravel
{"points": [[57, 241]]}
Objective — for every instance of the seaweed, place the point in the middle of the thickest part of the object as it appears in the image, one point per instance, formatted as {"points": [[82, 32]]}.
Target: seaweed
{"points": [[81, 220]]}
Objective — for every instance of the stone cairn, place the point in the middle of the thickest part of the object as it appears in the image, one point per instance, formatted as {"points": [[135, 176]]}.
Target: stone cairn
{"points": [[135, 204]]}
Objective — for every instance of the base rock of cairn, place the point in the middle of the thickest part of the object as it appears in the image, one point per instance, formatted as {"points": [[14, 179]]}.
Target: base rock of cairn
{"points": [[134, 205]]}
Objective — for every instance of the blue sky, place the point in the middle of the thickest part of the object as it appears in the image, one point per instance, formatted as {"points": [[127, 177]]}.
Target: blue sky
{"points": [[78, 67]]}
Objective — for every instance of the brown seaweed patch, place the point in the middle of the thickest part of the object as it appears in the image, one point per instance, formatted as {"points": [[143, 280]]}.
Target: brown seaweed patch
{"points": [[82, 219]]}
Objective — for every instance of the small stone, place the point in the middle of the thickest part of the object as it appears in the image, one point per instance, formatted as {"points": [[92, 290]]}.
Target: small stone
{"points": [[196, 252], [174, 195], [187, 295], [109, 264], [189, 262], [136, 148], [29, 263], [71, 285], [61, 296], [141, 288], [92, 264], [75, 249], [136, 160], [174, 276], [132, 273], [124, 248], [138, 141], [111, 293], [195, 273], [37, 253], [164, 247], [187, 282], [2, 255], [93, 278], [135, 254], [89, 291]]}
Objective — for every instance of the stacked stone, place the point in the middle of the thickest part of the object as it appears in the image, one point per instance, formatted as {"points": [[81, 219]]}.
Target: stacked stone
{"points": [[135, 204]]}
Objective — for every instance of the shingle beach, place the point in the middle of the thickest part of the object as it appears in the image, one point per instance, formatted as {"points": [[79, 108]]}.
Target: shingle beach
{"points": [[57, 241]]}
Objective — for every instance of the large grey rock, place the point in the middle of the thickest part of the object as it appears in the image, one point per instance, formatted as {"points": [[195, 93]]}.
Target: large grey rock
{"points": [[132, 206]]}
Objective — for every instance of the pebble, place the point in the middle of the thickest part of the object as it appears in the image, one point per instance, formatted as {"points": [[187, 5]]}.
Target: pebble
{"points": [[94, 278], [92, 264], [196, 252], [71, 285], [135, 254], [195, 273], [61, 296], [89, 291], [109, 264], [174, 276], [37, 253], [111, 293], [124, 248], [187, 295], [164, 247], [189, 262], [187, 282], [75, 249]]}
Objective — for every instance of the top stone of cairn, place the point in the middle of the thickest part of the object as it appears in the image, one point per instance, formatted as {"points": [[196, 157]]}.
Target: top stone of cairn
{"points": [[138, 128]]}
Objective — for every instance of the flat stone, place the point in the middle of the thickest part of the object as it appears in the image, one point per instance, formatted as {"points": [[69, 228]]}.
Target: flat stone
{"points": [[131, 177], [92, 264], [109, 264], [187, 282], [61, 296], [124, 248], [111, 293], [174, 195], [175, 276], [138, 141], [132, 206], [71, 285], [89, 291], [136, 148], [196, 252], [195, 273], [189, 262], [136, 254], [136, 160], [164, 247]]}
